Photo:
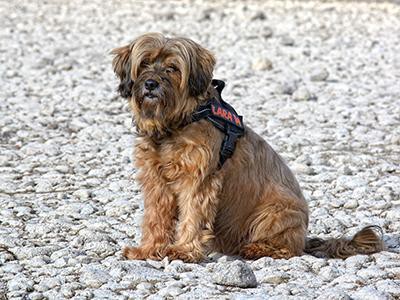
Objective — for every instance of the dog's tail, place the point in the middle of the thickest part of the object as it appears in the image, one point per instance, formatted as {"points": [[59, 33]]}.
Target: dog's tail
{"points": [[366, 241]]}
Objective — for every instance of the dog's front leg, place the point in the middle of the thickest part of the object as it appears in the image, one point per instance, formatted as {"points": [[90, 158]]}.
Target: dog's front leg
{"points": [[159, 220], [197, 210]]}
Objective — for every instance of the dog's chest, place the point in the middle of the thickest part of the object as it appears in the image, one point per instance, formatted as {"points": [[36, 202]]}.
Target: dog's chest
{"points": [[173, 162]]}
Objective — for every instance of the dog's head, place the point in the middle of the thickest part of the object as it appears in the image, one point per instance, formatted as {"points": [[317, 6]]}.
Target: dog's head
{"points": [[163, 78]]}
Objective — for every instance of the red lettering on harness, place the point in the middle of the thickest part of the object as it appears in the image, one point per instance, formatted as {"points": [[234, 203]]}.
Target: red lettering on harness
{"points": [[237, 120], [213, 110], [220, 112], [227, 115]]}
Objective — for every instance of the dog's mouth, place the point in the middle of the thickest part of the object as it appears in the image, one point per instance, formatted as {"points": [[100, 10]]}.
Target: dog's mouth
{"points": [[150, 97]]}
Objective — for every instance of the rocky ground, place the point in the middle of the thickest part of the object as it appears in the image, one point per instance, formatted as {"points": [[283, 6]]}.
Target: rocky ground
{"points": [[318, 80]]}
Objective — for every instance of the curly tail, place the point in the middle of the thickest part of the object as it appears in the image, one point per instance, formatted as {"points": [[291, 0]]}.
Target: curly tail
{"points": [[366, 241]]}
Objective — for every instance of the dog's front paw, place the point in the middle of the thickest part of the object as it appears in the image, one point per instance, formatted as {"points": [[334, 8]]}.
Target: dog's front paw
{"points": [[178, 252], [133, 253], [142, 253]]}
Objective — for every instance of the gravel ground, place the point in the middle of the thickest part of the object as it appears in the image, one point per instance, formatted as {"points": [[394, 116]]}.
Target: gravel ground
{"points": [[318, 80]]}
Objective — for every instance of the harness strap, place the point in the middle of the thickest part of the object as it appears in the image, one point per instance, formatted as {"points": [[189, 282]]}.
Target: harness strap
{"points": [[224, 117]]}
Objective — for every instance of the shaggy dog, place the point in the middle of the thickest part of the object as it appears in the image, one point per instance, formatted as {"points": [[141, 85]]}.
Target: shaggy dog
{"points": [[250, 204]]}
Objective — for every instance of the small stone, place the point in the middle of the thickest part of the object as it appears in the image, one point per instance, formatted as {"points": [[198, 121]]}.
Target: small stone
{"points": [[5, 160], [114, 187], [372, 272], [92, 182], [262, 263], [68, 289], [176, 266], [235, 273], [369, 293], [48, 284], [337, 202], [286, 88], [62, 169], [334, 294], [262, 64], [35, 296], [43, 186], [37, 262], [267, 32], [389, 286], [302, 94], [329, 273], [348, 279], [170, 291], [86, 210], [345, 170], [224, 258], [67, 292], [306, 52], [395, 139], [30, 252], [350, 182], [155, 263], [85, 294], [78, 242], [144, 286], [319, 75], [137, 273], [94, 277], [389, 259], [12, 267], [60, 254], [61, 262], [104, 294], [82, 194], [20, 283], [260, 15], [350, 204], [287, 40], [357, 261], [275, 278], [101, 249], [299, 168], [52, 294]]}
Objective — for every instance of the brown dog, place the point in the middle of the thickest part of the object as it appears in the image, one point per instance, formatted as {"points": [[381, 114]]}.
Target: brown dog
{"points": [[252, 205]]}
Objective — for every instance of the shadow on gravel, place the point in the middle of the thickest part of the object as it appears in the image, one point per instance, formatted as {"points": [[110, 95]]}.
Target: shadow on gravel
{"points": [[392, 242]]}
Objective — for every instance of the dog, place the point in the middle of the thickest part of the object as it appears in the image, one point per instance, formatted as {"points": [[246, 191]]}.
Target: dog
{"points": [[249, 205]]}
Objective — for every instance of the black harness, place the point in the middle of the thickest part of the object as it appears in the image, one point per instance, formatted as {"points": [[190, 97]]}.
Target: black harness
{"points": [[223, 117]]}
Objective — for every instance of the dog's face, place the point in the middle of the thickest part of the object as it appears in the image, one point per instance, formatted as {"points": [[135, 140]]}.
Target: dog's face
{"points": [[163, 78]]}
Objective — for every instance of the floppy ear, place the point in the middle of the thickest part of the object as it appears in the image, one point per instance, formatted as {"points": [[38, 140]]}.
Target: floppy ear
{"points": [[122, 67], [201, 70]]}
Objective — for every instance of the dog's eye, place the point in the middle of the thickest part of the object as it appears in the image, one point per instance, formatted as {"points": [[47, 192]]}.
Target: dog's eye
{"points": [[144, 64], [171, 69]]}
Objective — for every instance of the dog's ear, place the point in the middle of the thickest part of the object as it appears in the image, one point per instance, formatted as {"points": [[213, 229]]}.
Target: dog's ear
{"points": [[202, 67], [122, 67]]}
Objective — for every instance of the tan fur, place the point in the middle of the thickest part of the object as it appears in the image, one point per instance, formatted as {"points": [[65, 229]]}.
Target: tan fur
{"points": [[252, 206], [366, 241]]}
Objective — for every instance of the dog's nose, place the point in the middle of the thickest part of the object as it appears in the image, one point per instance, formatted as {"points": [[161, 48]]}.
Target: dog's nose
{"points": [[150, 84]]}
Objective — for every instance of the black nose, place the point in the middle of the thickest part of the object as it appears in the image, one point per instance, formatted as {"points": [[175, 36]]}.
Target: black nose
{"points": [[150, 84]]}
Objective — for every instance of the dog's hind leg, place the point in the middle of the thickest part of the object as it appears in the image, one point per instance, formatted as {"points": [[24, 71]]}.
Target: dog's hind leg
{"points": [[278, 226]]}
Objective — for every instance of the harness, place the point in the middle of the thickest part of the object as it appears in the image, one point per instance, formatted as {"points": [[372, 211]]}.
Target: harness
{"points": [[224, 118]]}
